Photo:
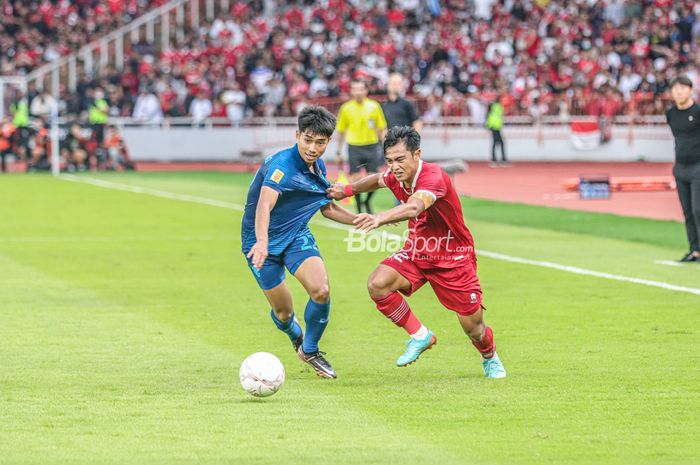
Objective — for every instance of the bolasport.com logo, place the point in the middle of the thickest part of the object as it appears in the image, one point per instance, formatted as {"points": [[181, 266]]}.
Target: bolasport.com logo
{"points": [[420, 248]]}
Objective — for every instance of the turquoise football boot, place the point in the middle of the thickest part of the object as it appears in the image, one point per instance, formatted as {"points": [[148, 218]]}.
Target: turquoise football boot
{"points": [[493, 368], [415, 347]]}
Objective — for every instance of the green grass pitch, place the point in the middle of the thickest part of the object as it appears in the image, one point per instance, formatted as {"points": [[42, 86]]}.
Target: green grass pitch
{"points": [[125, 317]]}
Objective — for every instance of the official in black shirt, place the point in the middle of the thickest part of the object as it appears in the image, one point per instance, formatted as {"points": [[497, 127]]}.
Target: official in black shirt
{"points": [[397, 110], [684, 119]]}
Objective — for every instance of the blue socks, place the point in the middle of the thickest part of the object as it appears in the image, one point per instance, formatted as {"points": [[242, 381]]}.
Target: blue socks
{"points": [[316, 318], [290, 327]]}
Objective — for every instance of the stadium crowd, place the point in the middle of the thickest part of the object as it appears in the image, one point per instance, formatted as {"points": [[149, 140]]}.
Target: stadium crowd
{"points": [[266, 58], [269, 58], [35, 32]]}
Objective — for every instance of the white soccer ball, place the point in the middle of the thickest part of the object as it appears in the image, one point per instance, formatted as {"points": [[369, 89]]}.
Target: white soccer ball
{"points": [[262, 374]]}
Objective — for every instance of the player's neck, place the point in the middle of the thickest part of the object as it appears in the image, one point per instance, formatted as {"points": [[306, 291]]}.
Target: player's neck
{"points": [[685, 105]]}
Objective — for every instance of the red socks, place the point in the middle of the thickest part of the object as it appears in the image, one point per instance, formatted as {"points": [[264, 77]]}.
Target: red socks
{"points": [[487, 347], [395, 307]]}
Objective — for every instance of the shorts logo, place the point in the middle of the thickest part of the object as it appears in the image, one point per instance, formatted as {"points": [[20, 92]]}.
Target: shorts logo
{"points": [[473, 297], [277, 176], [690, 118]]}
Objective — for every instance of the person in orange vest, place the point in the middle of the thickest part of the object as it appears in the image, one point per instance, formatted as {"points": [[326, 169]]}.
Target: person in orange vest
{"points": [[117, 151], [7, 130], [40, 146]]}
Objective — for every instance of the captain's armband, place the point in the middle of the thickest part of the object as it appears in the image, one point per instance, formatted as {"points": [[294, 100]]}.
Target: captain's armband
{"points": [[427, 197]]}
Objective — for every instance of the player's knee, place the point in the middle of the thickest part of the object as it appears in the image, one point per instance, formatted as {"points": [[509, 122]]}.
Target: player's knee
{"points": [[377, 285], [320, 294]]}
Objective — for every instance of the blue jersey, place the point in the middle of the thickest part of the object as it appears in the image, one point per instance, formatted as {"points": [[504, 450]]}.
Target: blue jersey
{"points": [[302, 194]]}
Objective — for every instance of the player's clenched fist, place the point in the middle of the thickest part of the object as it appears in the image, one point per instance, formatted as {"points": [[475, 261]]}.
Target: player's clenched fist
{"points": [[258, 253], [336, 191], [366, 222]]}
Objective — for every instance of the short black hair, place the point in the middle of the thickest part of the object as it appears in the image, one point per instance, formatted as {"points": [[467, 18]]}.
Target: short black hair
{"points": [[406, 134], [316, 120], [682, 80], [359, 81]]}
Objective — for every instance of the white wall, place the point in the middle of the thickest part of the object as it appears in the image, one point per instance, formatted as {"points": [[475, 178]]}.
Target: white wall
{"points": [[652, 143]]}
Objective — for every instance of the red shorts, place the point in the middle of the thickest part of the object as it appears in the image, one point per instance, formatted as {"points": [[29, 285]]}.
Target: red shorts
{"points": [[457, 288]]}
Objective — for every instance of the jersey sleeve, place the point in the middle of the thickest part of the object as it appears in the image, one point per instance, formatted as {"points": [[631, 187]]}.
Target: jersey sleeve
{"points": [[342, 124], [381, 120], [433, 183], [277, 177]]}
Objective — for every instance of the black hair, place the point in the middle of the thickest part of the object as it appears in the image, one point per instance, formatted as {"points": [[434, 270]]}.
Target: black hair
{"points": [[682, 80], [406, 134], [316, 120], [359, 81]]}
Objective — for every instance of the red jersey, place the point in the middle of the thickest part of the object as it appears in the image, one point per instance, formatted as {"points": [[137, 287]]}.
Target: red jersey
{"points": [[438, 237]]}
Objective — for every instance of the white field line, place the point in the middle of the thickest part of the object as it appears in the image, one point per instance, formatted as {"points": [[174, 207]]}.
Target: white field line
{"points": [[112, 239], [486, 253], [668, 263]]}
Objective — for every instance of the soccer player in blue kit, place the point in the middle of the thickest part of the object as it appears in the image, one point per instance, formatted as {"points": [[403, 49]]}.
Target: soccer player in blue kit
{"points": [[288, 189]]}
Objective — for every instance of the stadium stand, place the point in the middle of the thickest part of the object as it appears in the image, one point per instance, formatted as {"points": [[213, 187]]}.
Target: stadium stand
{"points": [[258, 59], [551, 57], [34, 32]]}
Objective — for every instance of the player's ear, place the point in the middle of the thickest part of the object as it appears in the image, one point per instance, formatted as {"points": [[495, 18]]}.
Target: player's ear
{"points": [[296, 135], [417, 154]]}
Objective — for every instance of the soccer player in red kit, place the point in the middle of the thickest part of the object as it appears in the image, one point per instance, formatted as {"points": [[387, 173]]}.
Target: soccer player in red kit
{"points": [[439, 249]]}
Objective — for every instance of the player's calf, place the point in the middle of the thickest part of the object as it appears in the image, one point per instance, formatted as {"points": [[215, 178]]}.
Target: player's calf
{"points": [[395, 308], [290, 326], [481, 337]]}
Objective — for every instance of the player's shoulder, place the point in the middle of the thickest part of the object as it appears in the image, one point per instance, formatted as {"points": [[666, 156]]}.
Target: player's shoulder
{"points": [[432, 170], [389, 178], [346, 105], [432, 176], [280, 164], [283, 157]]}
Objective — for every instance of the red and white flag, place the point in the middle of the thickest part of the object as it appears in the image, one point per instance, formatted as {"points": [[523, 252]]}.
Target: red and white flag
{"points": [[585, 134]]}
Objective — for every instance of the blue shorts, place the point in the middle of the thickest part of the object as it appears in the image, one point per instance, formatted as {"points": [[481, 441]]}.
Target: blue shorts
{"points": [[272, 272]]}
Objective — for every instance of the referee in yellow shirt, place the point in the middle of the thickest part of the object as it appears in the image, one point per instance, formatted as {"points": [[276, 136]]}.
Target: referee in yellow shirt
{"points": [[361, 121]]}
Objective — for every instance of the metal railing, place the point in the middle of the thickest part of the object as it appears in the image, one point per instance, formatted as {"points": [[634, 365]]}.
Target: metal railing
{"points": [[446, 121]]}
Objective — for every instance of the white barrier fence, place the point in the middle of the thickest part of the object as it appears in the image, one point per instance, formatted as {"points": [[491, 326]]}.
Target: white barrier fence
{"points": [[166, 143]]}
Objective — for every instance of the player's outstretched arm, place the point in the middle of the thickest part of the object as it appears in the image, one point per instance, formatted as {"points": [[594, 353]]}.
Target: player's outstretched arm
{"points": [[266, 201], [414, 206], [371, 183], [335, 212]]}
